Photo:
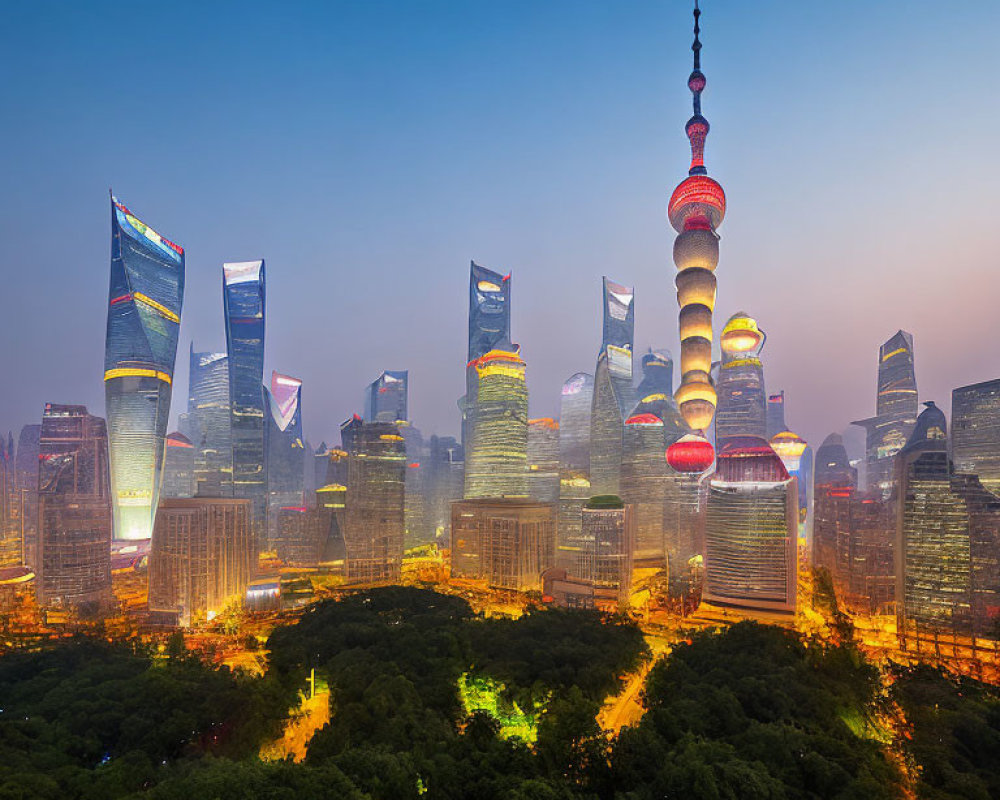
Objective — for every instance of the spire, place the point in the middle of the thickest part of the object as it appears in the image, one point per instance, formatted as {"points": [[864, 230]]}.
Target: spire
{"points": [[697, 127]]}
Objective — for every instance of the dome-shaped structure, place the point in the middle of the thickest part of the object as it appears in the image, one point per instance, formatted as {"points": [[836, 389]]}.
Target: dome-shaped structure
{"points": [[644, 418], [749, 458], [741, 335], [697, 198], [789, 446], [690, 454], [696, 356]]}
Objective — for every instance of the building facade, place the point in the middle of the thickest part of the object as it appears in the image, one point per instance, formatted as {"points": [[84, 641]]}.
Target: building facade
{"points": [[543, 460], [386, 397], [178, 467], [285, 452], [606, 559], [144, 314], [975, 432], [209, 421], [742, 399]]}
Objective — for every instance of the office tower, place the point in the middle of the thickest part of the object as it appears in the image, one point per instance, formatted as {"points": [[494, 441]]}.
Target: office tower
{"points": [[300, 533], [791, 449], [144, 315], [614, 394], [657, 373], [374, 522], [975, 432], [284, 449], [244, 298], [496, 451], [331, 508], [575, 406], [417, 531], [385, 397], [742, 404], [609, 539], [507, 542], [26, 486], [444, 480], [321, 460], [201, 557], [489, 327], [543, 460], [178, 467], [74, 509], [947, 542], [895, 411], [209, 420], [696, 208], [776, 414], [11, 548], [750, 531]]}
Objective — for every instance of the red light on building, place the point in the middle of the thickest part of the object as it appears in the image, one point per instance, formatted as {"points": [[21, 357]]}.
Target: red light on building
{"points": [[644, 419], [691, 454]]}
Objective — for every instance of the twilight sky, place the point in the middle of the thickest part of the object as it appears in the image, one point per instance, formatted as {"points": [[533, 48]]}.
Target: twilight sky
{"points": [[368, 150]]}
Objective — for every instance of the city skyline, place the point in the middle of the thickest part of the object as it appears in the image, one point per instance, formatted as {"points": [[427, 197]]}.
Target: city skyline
{"points": [[873, 245]]}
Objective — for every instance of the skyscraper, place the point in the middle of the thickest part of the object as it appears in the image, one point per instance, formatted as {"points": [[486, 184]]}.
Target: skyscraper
{"points": [[285, 450], [489, 326], [614, 394], [742, 404], [74, 509], [443, 482], [374, 523], [895, 411], [606, 557], [574, 460], [144, 314], [975, 432], [26, 485], [244, 299], [178, 467], [543, 460], [750, 530], [696, 208], [209, 417], [386, 396], [776, 414]]}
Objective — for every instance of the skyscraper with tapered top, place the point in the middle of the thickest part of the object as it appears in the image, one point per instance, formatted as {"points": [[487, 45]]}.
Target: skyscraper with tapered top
{"points": [[285, 449], [244, 299], [144, 315], [386, 396]]}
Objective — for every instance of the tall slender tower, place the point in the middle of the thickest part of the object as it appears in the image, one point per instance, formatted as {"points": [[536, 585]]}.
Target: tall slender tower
{"points": [[144, 317], [695, 210]]}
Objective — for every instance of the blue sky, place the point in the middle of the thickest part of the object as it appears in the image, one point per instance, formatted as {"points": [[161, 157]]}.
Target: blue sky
{"points": [[369, 150]]}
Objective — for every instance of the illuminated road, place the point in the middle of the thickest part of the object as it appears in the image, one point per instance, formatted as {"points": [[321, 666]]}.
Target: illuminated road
{"points": [[312, 715]]}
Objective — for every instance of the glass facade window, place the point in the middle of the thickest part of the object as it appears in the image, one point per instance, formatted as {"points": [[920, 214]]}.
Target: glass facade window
{"points": [[285, 449], [975, 432], [178, 468], [209, 423], [144, 308]]}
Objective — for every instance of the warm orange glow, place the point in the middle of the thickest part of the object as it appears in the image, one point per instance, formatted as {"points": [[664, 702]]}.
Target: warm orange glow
{"points": [[162, 309], [135, 372]]}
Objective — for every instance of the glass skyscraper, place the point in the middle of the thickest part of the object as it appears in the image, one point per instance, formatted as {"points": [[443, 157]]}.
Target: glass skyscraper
{"points": [[385, 397], [975, 432], [895, 411], [741, 408], [74, 509], [776, 414], [209, 420], [144, 314], [574, 461], [244, 298], [178, 467], [543, 460], [614, 395], [285, 449]]}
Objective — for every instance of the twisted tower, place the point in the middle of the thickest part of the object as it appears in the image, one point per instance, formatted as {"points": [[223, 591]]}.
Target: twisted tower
{"points": [[696, 209]]}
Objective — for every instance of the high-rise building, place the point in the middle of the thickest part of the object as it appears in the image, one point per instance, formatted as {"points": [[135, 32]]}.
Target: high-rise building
{"points": [[201, 557], [608, 543], [543, 460], [144, 315], [25, 506], [947, 542], [415, 490], [385, 397], [742, 404], [178, 467], [444, 480], [507, 542], [750, 531], [489, 328], [574, 460], [74, 509], [895, 411], [374, 523], [284, 448], [657, 373], [776, 414], [975, 432], [243, 290], [496, 451], [209, 420], [614, 394], [696, 208], [11, 545], [792, 450]]}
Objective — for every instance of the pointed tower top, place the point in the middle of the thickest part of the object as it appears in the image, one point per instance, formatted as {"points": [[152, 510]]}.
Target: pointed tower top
{"points": [[697, 127]]}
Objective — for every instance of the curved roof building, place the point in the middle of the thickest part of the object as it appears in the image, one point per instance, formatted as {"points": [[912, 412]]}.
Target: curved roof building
{"points": [[742, 399], [145, 296]]}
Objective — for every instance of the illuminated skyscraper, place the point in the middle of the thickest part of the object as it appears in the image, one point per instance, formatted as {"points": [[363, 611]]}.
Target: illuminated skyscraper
{"points": [[947, 542], [750, 530], [385, 397], [201, 557], [614, 394], [285, 450], [178, 467], [574, 460], [489, 326], [895, 411], [776, 414], [657, 373], [696, 208], [74, 509], [975, 432], [543, 460], [608, 543], [742, 401], [209, 418], [144, 314], [792, 449], [26, 486], [374, 523], [443, 482], [244, 298]]}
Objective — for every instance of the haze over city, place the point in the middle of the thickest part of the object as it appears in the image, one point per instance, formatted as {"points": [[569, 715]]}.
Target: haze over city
{"points": [[368, 151]]}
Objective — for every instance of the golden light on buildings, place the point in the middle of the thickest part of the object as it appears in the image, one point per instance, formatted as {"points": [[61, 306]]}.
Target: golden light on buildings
{"points": [[695, 287]]}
